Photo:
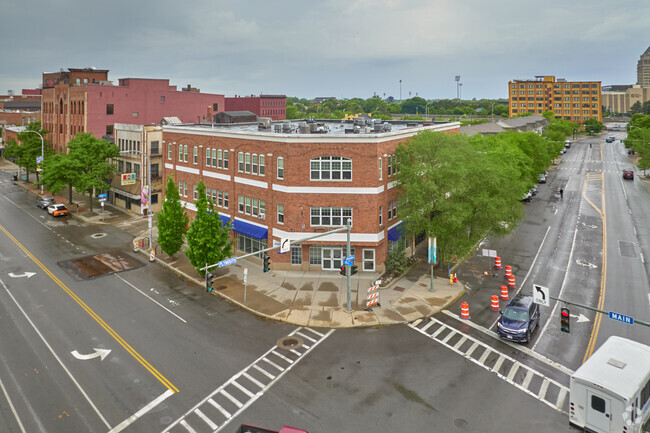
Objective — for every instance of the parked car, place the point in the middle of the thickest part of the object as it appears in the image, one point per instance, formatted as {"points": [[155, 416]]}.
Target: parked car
{"points": [[567, 144], [519, 319], [542, 178], [57, 209], [44, 202], [533, 190], [628, 174], [527, 197]]}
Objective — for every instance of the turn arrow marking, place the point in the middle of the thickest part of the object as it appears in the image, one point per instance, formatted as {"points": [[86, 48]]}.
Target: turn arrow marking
{"points": [[24, 274], [580, 317], [102, 353]]}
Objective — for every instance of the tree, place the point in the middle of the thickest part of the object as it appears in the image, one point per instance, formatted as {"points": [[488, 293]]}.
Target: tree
{"points": [[60, 171], [172, 221], [208, 240], [646, 107], [414, 105], [26, 153], [92, 155], [636, 108], [593, 126]]}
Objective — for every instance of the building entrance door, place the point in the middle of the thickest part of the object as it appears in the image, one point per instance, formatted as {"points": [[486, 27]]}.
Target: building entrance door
{"points": [[332, 258]]}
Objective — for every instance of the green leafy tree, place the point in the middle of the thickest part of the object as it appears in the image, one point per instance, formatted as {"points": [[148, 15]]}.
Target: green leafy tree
{"points": [[60, 171], [593, 126], [31, 146], [171, 220], [92, 155], [549, 114], [208, 240], [636, 108], [414, 105], [646, 107]]}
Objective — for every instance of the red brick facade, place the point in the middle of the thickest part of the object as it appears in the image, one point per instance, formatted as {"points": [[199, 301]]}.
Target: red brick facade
{"points": [[273, 106], [364, 193]]}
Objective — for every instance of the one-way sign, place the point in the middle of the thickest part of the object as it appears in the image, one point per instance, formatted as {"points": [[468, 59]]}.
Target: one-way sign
{"points": [[541, 296]]}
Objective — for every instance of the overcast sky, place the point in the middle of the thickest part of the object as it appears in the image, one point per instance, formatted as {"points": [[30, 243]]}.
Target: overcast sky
{"points": [[341, 48]]}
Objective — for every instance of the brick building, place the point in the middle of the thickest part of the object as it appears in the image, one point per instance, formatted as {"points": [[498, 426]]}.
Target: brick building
{"points": [[272, 106], [83, 100], [570, 100], [293, 180]]}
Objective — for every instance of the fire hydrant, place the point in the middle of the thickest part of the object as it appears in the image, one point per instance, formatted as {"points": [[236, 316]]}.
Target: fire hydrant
{"points": [[451, 279]]}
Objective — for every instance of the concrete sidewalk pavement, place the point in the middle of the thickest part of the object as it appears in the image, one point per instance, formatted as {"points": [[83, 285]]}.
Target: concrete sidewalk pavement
{"points": [[317, 299]]}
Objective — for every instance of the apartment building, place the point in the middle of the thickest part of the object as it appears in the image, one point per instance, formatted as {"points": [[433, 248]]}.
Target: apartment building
{"points": [[295, 179], [84, 100], [576, 101], [271, 106]]}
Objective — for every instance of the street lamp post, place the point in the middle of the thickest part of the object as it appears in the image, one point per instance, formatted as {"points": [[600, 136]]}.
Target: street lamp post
{"points": [[428, 108], [492, 110], [42, 151], [148, 188]]}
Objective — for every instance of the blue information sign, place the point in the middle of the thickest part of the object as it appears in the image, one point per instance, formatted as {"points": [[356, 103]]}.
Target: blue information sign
{"points": [[227, 262], [621, 318]]}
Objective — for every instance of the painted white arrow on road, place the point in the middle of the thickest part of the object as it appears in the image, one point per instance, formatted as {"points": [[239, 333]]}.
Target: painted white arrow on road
{"points": [[580, 317], [24, 274], [587, 264], [98, 353]]}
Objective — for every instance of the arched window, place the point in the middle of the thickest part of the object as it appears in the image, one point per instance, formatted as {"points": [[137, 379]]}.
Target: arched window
{"points": [[60, 106], [330, 168]]}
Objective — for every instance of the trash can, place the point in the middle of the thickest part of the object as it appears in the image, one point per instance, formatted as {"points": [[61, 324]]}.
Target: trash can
{"points": [[15, 177]]}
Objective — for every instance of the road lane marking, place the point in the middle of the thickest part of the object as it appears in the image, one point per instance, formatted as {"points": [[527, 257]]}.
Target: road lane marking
{"points": [[223, 399], [130, 420], [94, 315], [152, 300], [483, 362], [77, 384], [11, 405]]}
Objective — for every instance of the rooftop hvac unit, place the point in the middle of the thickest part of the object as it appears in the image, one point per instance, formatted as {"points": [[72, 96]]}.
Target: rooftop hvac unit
{"points": [[367, 129], [277, 127], [304, 128], [387, 126]]}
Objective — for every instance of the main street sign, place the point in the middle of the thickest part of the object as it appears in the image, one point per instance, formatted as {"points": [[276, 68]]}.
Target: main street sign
{"points": [[621, 318]]}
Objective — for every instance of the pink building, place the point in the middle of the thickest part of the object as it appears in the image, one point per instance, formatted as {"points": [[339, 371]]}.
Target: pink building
{"points": [[83, 100], [273, 106]]}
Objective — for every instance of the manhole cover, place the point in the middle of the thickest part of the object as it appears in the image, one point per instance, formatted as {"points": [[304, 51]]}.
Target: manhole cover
{"points": [[101, 264], [289, 343], [98, 235]]}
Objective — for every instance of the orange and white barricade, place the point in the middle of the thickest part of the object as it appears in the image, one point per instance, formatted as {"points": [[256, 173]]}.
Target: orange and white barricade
{"points": [[504, 292], [495, 302], [464, 310], [373, 296], [511, 281], [497, 262], [152, 256], [508, 270]]}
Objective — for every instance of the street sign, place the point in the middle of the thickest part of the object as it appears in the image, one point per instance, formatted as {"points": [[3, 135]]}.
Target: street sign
{"points": [[540, 295], [621, 318], [101, 197], [277, 243], [128, 178], [489, 253], [227, 262], [349, 260], [285, 245]]}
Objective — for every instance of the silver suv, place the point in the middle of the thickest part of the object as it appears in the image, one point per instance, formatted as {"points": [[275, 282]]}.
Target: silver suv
{"points": [[44, 202]]}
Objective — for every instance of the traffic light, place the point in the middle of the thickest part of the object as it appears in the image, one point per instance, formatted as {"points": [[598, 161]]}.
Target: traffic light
{"points": [[353, 269], [342, 271], [208, 281], [267, 263], [564, 320]]}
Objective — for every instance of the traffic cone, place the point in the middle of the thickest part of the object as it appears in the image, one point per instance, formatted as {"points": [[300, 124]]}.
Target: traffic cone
{"points": [[511, 281], [504, 293], [152, 256], [508, 270], [495, 301], [455, 278], [464, 310], [497, 262]]}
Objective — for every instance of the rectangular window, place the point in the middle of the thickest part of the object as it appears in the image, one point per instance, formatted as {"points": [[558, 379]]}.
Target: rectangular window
{"points": [[380, 170], [109, 109], [390, 210], [240, 200], [134, 114], [219, 158], [262, 209], [240, 159], [247, 166], [214, 196], [184, 189], [315, 255], [180, 153], [162, 99], [394, 208], [214, 157], [154, 148], [169, 151], [280, 214], [328, 216], [255, 207], [248, 205], [195, 155], [262, 168], [225, 160], [225, 199], [390, 165], [208, 162], [381, 216], [296, 255], [195, 193], [280, 168], [254, 171], [219, 199], [368, 259], [185, 153]]}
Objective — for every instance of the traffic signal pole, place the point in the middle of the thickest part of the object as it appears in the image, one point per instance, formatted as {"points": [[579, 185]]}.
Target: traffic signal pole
{"points": [[347, 268], [640, 322]]}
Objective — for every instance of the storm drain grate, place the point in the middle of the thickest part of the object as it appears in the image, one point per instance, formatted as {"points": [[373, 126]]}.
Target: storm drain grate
{"points": [[289, 343]]}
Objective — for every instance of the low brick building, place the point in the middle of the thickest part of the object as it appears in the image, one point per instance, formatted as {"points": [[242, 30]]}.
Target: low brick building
{"points": [[296, 179]]}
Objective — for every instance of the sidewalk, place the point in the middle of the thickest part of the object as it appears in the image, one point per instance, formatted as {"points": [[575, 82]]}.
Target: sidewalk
{"points": [[317, 299]]}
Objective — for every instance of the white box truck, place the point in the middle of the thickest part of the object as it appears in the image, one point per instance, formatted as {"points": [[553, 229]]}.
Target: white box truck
{"points": [[610, 392]]}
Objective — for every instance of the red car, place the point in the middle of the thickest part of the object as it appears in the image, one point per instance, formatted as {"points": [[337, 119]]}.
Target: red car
{"points": [[628, 174]]}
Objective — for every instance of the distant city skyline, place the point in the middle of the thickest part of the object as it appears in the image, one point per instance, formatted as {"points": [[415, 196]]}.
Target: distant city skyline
{"points": [[329, 48]]}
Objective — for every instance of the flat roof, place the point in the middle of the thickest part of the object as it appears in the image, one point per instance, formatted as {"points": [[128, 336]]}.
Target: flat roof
{"points": [[618, 365]]}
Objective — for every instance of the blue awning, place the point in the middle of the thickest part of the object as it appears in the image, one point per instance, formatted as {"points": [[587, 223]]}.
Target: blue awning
{"points": [[248, 229], [396, 232], [224, 219]]}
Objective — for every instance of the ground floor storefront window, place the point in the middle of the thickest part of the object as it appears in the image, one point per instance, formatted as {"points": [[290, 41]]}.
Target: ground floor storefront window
{"points": [[248, 244], [329, 257]]}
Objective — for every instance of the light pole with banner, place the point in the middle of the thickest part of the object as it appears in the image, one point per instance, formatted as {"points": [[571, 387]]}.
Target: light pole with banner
{"points": [[432, 257], [42, 153]]}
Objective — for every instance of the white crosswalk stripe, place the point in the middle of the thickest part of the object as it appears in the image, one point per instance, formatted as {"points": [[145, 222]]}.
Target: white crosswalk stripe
{"points": [[233, 397], [507, 368]]}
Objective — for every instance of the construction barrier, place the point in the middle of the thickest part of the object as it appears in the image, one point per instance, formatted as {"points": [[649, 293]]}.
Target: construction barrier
{"points": [[495, 302], [464, 310], [508, 270], [135, 245], [497, 262], [152, 256], [455, 278], [511, 281], [373, 296], [504, 292]]}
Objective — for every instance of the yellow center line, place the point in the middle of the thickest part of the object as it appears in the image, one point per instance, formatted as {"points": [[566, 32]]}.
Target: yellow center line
{"points": [[94, 315], [601, 299]]}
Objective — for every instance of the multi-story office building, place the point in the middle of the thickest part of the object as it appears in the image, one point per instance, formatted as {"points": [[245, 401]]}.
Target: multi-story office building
{"points": [[272, 106], [294, 180], [83, 100], [619, 99], [570, 100], [643, 69]]}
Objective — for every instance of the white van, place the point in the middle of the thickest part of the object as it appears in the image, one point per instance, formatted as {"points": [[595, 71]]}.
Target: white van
{"points": [[611, 391]]}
